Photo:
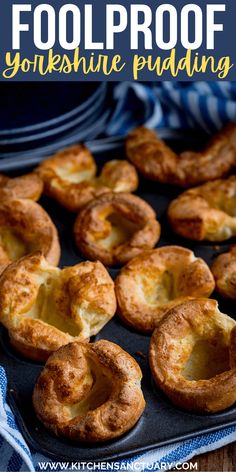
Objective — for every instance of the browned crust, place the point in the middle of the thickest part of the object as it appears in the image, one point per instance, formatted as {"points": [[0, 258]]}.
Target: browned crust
{"points": [[92, 226], [69, 376], [82, 299], [155, 160], [28, 186], [191, 321], [31, 223], [158, 271], [224, 272], [27, 350], [116, 175], [206, 212]]}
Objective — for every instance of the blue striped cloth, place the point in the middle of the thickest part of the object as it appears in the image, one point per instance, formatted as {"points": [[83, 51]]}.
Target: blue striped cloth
{"points": [[202, 105], [169, 104]]}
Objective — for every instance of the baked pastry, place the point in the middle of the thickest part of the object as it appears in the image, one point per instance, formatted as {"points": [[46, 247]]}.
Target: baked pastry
{"points": [[116, 227], [45, 307], [25, 227], [224, 271], [26, 186], [89, 392], [155, 160], [157, 280], [70, 177], [193, 357], [207, 212]]}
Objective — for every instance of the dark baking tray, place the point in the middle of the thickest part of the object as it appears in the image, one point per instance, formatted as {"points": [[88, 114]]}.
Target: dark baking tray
{"points": [[161, 423]]}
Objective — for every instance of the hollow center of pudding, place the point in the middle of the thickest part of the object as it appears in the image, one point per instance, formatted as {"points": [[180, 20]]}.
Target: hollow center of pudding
{"points": [[222, 201], [228, 207], [120, 231], [74, 174], [156, 288], [206, 361], [13, 245], [52, 306], [97, 396]]}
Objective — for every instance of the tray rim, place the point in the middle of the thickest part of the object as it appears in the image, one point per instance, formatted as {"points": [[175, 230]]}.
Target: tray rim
{"points": [[117, 455]]}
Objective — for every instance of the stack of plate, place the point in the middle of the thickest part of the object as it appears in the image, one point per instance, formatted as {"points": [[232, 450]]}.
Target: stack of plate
{"points": [[39, 119]]}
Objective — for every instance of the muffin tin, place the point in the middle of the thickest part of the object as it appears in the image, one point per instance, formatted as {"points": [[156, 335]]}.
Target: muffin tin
{"points": [[162, 423]]}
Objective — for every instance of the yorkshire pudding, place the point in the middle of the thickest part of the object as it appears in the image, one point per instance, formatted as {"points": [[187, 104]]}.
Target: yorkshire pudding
{"points": [[224, 271], [193, 356], [116, 227], [45, 307], [26, 186], [155, 160], [70, 177], [89, 392], [207, 212], [157, 280], [25, 227]]}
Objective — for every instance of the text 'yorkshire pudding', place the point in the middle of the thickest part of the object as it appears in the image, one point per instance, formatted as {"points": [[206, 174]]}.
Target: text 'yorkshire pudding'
{"points": [[70, 177], [157, 280], [155, 160], [224, 271], [193, 357], [26, 186], [45, 307], [116, 227], [89, 392], [207, 212], [25, 227]]}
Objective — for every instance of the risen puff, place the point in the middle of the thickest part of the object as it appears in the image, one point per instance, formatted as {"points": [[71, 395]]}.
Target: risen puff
{"points": [[157, 280], [155, 160], [45, 307], [224, 271], [89, 392], [26, 186], [25, 227], [193, 357], [70, 177], [207, 212], [114, 228]]}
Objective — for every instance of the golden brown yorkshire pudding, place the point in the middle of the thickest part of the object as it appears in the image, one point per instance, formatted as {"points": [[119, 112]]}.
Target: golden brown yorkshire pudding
{"points": [[207, 212], [116, 227], [193, 357], [45, 307], [155, 160], [89, 392], [25, 227], [70, 177], [28, 186], [157, 280], [224, 271]]}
